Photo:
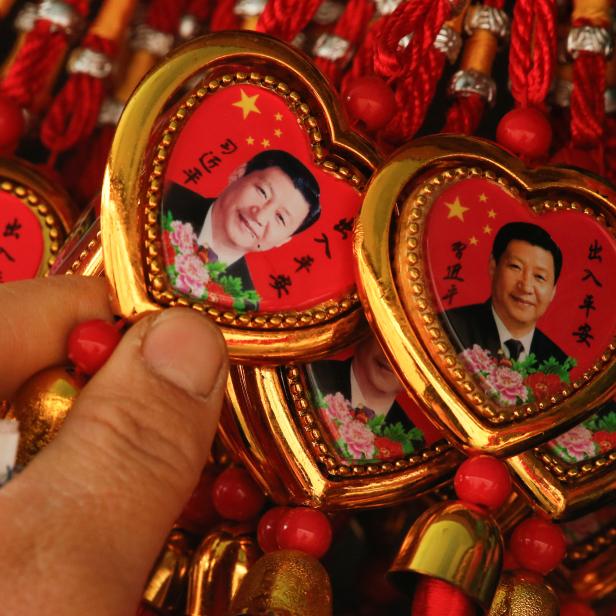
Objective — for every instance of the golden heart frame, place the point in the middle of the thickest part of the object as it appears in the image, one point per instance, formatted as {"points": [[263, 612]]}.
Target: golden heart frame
{"points": [[131, 196], [395, 288]]}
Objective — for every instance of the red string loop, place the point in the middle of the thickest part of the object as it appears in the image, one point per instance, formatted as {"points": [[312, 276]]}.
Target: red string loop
{"points": [[464, 115], [587, 100], [224, 17], [165, 15], [285, 19]]}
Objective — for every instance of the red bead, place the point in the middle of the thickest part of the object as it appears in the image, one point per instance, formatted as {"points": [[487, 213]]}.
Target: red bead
{"points": [[236, 496], [91, 343], [305, 529], [12, 124], [526, 132], [267, 530], [199, 514], [370, 101], [573, 607], [538, 545], [483, 480]]}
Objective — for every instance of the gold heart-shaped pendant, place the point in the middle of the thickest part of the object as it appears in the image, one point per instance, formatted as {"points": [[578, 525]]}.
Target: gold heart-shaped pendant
{"points": [[232, 186], [489, 286]]}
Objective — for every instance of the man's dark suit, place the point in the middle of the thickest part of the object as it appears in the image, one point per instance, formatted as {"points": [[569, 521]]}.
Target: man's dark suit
{"points": [[335, 376], [475, 324], [187, 206]]}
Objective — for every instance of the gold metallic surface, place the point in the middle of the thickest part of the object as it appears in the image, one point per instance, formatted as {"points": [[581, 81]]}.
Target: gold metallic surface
{"points": [[166, 587], [455, 542], [137, 162], [596, 578], [45, 199], [521, 593], [395, 289], [284, 583], [270, 425], [218, 567], [41, 405]]}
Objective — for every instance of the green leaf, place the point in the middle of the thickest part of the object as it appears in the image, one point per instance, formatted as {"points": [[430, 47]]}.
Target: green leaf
{"points": [[215, 269], [553, 366], [342, 445], [167, 219], [172, 273], [526, 366], [376, 424], [395, 432], [415, 434]]}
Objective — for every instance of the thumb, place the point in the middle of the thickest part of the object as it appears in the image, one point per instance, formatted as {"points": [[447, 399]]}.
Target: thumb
{"points": [[93, 509]]}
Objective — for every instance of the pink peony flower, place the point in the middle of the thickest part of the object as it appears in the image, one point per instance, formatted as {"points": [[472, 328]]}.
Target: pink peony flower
{"points": [[183, 237], [359, 439], [577, 442], [478, 359], [509, 384], [339, 407], [192, 275]]}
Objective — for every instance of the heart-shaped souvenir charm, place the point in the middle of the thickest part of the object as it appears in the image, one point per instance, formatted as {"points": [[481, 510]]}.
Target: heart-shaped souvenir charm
{"points": [[232, 186], [490, 286], [35, 216], [336, 433]]}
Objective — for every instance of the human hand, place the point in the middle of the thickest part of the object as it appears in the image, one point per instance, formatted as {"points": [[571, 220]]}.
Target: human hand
{"points": [[83, 523]]}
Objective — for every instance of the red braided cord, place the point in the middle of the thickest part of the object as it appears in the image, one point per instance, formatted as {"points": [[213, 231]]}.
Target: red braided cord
{"points": [[610, 149], [285, 19], [352, 27], [433, 597], [223, 17], [587, 99], [39, 56], [464, 115], [532, 51], [413, 97], [165, 15], [421, 18], [200, 9], [74, 112], [363, 61]]}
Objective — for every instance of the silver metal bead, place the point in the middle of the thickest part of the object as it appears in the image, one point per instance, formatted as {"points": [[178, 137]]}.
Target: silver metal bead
{"points": [[89, 62], [329, 11], [332, 47], [156, 42], [473, 82], [110, 112], [249, 8], [63, 16], [386, 7], [488, 18], [591, 39], [188, 27], [24, 21], [300, 41], [449, 42]]}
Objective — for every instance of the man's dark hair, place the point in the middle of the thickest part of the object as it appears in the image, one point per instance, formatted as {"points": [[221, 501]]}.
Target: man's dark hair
{"points": [[298, 173], [534, 235]]}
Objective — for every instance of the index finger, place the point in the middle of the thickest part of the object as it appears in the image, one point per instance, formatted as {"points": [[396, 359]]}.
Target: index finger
{"points": [[37, 316]]}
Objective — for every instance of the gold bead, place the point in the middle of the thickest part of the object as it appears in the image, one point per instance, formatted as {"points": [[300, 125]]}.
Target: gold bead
{"points": [[457, 542], [218, 567], [40, 406], [521, 592], [285, 582]]}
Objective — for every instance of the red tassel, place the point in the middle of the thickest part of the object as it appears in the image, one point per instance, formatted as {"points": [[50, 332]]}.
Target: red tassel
{"points": [[434, 597], [464, 115], [285, 19]]}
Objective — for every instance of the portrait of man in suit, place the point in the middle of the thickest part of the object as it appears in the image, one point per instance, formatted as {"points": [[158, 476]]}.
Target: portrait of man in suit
{"points": [[268, 200], [524, 267]]}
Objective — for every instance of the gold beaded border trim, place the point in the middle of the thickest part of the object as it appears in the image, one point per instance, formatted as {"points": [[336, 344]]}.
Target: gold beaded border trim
{"points": [[321, 449], [598, 543], [572, 473], [419, 205], [44, 212], [84, 255], [159, 286]]}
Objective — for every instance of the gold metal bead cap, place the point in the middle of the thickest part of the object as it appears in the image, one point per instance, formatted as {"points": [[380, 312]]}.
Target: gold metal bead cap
{"points": [[284, 583], [520, 592], [456, 542]]}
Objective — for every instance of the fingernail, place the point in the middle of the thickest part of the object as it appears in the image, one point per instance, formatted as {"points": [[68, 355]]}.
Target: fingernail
{"points": [[184, 348]]}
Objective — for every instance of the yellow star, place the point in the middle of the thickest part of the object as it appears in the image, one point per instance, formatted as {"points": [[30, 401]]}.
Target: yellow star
{"points": [[250, 141], [473, 240], [483, 198], [487, 229], [248, 104], [491, 214], [278, 132], [278, 117], [265, 143], [456, 209]]}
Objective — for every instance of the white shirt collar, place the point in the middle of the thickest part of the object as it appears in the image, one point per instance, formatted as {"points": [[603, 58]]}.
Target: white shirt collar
{"points": [[206, 238], [504, 334], [359, 400]]}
